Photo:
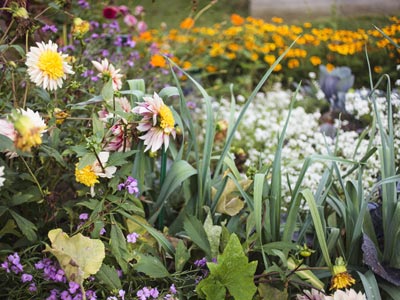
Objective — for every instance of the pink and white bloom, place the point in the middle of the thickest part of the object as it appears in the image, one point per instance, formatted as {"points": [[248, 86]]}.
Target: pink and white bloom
{"points": [[157, 122], [346, 295], [107, 71]]}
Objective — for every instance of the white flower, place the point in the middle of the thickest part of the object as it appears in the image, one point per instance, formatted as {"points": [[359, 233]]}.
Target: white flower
{"points": [[47, 67], [108, 71], [2, 179], [100, 169], [346, 295]]}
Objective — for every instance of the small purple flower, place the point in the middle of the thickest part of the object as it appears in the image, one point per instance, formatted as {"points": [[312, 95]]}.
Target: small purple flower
{"points": [[84, 4], [172, 289], [154, 293], [73, 287], [32, 287], [105, 53], [51, 28], [102, 231], [84, 216], [113, 298], [53, 294], [131, 43], [191, 104], [119, 273], [200, 262], [131, 185], [91, 295], [121, 293], [5, 266], [139, 9], [26, 277], [65, 295], [132, 237]]}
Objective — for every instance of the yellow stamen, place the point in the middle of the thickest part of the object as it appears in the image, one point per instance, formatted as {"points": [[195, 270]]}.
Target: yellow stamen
{"points": [[167, 121], [51, 63], [86, 176]]}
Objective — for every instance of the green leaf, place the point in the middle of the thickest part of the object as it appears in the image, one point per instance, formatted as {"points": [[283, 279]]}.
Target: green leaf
{"points": [[5, 143], [87, 159], [182, 255], [54, 154], [27, 227], [370, 285], [177, 174], [109, 276], [98, 127], [137, 85], [196, 232], [267, 292], [213, 234], [9, 228], [108, 92], [232, 271], [306, 275], [151, 266], [118, 247]]}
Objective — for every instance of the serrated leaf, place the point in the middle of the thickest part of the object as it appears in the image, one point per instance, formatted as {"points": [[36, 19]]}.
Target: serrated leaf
{"points": [[232, 271], [182, 255], [151, 266], [79, 256], [109, 276]]}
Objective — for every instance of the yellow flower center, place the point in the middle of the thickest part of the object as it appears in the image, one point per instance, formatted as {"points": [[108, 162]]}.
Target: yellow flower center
{"points": [[51, 63], [167, 121], [86, 176]]}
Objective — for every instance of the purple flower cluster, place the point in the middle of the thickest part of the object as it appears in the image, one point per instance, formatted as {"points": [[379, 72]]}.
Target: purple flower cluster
{"points": [[51, 271], [71, 294], [146, 293], [13, 264], [84, 4], [131, 185], [51, 28], [202, 265]]}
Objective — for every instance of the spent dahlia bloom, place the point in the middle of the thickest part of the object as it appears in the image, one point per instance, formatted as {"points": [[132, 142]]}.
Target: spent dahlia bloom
{"points": [[341, 278], [107, 71], [29, 127], [46, 66], [157, 122], [89, 174]]}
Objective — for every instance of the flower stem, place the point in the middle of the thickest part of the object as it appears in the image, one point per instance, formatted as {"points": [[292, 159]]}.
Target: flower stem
{"points": [[33, 177], [162, 178]]}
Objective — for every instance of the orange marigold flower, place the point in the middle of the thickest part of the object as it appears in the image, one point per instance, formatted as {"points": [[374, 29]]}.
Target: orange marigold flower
{"points": [[378, 69], [293, 63], [277, 20], [307, 25], [315, 60], [237, 20], [187, 23], [211, 69], [341, 281], [330, 67], [158, 60], [278, 68]]}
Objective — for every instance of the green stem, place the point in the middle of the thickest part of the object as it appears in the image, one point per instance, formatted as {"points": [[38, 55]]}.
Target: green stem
{"points": [[162, 178], [33, 177]]}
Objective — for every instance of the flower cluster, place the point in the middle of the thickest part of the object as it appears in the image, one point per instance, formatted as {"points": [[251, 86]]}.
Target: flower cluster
{"points": [[131, 185]]}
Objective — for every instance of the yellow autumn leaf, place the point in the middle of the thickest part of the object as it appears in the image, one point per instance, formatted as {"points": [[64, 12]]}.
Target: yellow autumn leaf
{"points": [[230, 203], [79, 256]]}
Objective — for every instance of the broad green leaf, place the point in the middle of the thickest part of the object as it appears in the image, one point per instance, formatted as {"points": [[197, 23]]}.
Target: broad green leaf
{"points": [[151, 266], [27, 227], [109, 276], [98, 127], [6, 143], [212, 290], [54, 154], [195, 230], [79, 256], [232, 271], [182, 255], [87, 159]]}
